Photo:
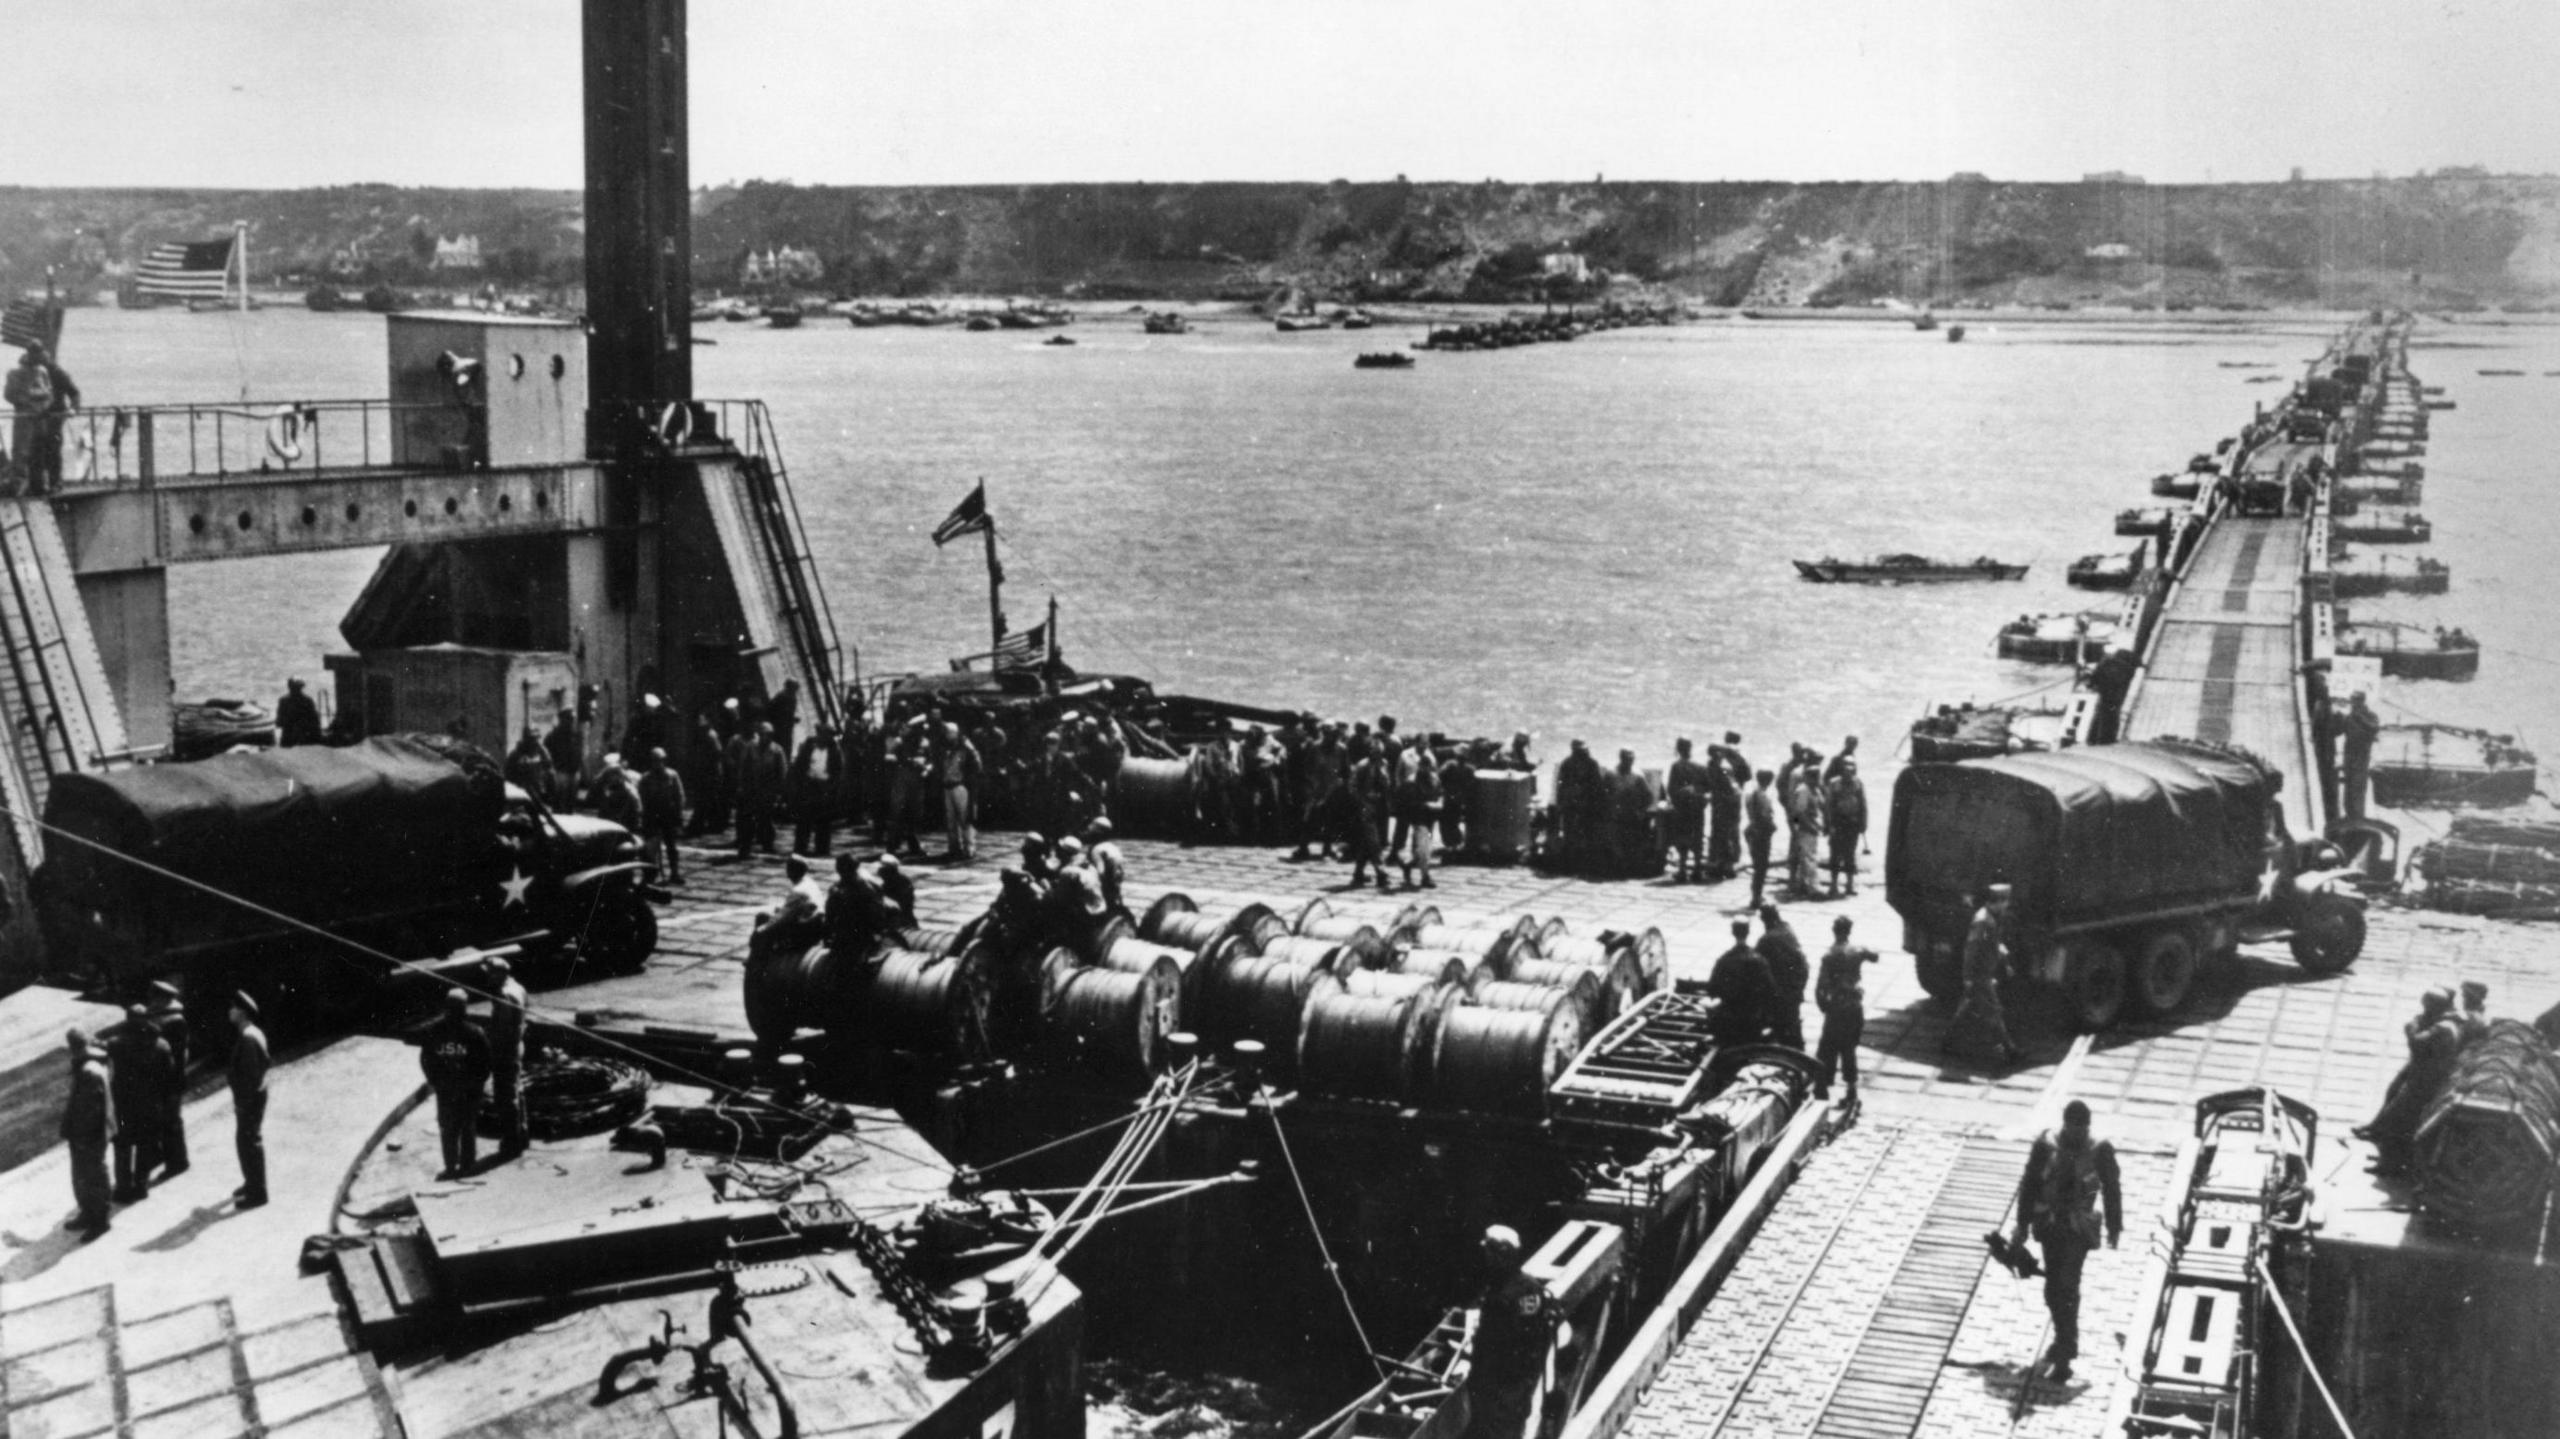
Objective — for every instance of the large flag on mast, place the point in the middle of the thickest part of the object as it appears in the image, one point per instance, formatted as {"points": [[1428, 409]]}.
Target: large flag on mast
{"points": [[1025, 651], [187, 271], [969, 517]]}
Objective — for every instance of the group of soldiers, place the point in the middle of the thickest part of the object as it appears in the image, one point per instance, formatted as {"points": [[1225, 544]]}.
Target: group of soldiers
{"points": [[1371, 794], [1759, 990], [469, 1066], [125, 1123], [2436, 1036], [1712, 812]]}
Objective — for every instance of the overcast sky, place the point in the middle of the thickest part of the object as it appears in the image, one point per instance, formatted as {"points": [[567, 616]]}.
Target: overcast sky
{"points": [[263, 93]]}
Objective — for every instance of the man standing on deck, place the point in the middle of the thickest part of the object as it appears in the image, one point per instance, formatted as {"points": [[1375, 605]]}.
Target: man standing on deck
{"points": [[1759, 827], [2109, 679], [170, 1111], [506, 1057], [137, 1074], [1581, 788], [1845, 818], [297, 718], [39, 393], [958, 768], [2359, 728], [1804, 827], [1688, 783], [1507, 1358], [662, 816], [249, 1064], [1743, 992], [1784, 954], [758, 766], [1728, 775], [1979, 1024], [1840, 992], [2435, 1042], [88, 1127], [2070, 1174], [454, 1055]]}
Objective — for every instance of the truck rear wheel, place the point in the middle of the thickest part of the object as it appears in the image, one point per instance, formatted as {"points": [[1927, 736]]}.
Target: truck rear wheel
{"points": [[2166, 973], [2330, 935], [621, 931], [2097, 987]]}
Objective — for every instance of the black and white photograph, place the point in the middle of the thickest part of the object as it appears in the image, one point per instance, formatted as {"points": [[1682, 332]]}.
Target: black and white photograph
{"points": [[1280, 719]]}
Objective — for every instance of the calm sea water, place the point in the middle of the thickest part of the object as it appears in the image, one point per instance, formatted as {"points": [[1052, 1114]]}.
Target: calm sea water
{"points": [[1578, 540]]}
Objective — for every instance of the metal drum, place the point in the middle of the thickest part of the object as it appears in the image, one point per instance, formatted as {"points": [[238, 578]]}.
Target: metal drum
{"points": [[1114, 1021], [1501, 1061], [934, 1003], [1498, 805], [1151, 798], [1360, 1045]]}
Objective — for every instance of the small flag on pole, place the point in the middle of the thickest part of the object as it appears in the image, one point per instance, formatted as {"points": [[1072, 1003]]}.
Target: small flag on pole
{"points": [[30, 322], [969, 517], [186, 270], [1025, 651]]}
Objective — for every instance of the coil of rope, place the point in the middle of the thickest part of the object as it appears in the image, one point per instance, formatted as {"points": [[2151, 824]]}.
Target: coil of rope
{"points": [[565, 1098]]}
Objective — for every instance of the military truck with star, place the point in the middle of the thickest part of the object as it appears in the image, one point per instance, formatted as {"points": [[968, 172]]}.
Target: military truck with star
{"points": [[309, 876]]}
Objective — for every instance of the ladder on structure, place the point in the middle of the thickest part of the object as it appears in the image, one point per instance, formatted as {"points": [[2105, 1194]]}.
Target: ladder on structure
{"points": [[798, 596], [54, 696]]}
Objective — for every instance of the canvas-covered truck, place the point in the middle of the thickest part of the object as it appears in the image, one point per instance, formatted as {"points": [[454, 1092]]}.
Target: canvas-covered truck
{"points": [[2134, 868], [412, 846]]}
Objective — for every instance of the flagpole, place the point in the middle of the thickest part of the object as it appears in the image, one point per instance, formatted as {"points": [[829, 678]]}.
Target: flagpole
{"points": [[995, 587], [1049, 659]]}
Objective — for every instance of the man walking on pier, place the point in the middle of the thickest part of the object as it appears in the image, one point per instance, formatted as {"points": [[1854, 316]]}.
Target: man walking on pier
{"points": [[2070, 1175], [2359, 728], [1788, 972], [1979, 1024]]}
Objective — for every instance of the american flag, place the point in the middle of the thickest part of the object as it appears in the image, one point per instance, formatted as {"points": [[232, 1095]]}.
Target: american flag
{"points": [[30, 322], [1027, 650], [186, 270], [966, 518]]}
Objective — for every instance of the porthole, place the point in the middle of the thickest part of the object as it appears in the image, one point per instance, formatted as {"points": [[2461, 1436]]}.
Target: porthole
{"points": [[310, 517], [452, 506], [195, 524], [515, 367], [410, 509], [247, 521]]}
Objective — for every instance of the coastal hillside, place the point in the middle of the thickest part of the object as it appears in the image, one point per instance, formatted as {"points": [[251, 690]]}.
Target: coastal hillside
{"points": [[2454, 241]]}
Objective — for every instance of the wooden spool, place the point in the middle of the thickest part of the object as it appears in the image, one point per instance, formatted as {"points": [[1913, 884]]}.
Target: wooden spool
{"points": [[1369, 948], [1497, 948], [1114, 1021], [1645, 953], [1358, 1045], [1621, 983], [1132, 955], [1550, 930], [1151, 925], [949, 940], [1441, 966], [1151, 797], [1500, 1061], [1386, 916], [1245, 996], [938, 1004], [1112, 930], [1196, 930]]}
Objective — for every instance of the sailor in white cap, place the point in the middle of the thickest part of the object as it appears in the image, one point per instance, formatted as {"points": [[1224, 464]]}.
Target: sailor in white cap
{"points": [[1515, 1327]]}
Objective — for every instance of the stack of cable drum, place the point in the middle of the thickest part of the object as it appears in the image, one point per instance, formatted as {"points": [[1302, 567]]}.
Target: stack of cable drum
{"points": [[1380, 1000]]}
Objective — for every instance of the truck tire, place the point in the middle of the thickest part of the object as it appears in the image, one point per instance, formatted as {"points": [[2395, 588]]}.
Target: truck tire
{"points": [[2330, 935], [621, 930], [2098, 987], [2166, 973], [1941, 972]]}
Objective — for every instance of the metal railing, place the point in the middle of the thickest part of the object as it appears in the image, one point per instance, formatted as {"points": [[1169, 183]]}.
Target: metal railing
{"points": [[125, 446]]}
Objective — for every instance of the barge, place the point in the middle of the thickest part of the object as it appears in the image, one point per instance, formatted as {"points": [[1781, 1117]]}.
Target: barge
{"points": [[2108, 571], [2407, 651], [2422, 766], [1904, 569]]}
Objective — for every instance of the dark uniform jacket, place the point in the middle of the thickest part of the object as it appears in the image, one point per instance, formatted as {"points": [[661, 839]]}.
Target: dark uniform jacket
{"points": [[249, 1062], [455, 1056]]}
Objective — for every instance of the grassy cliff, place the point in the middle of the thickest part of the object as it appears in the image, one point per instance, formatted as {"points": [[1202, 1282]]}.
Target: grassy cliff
{"points": [[2452, 241]]}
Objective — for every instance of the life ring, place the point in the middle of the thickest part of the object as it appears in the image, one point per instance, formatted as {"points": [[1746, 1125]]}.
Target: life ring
{"points": [[675, 424], [284, 435]]}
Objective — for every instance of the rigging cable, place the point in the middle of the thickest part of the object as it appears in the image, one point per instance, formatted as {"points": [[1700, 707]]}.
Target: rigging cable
{"points": [[1332, 1270]]}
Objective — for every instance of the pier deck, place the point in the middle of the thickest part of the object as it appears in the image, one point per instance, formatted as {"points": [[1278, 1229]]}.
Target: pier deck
{"points": [[2223, 664]]}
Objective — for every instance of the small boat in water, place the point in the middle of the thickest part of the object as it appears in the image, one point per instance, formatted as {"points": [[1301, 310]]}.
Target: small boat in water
{"points": [[1905, 570], [210, 727], [2382, 525], [2182, 486], [2358, 576], [1382, 360], [2108, 571], [1165, 323], [1059, 340], [2058, 639], [2411, 651], [2152, 520], [782, 317], [1969, 731], [2426, 765], [1292, 324]]}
